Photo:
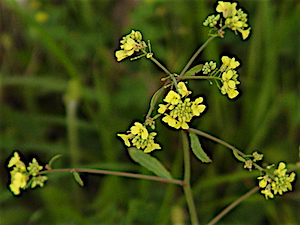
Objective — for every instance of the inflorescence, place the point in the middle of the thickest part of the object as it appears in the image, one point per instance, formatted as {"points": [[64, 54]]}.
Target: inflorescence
{"points": [[23, 177]]}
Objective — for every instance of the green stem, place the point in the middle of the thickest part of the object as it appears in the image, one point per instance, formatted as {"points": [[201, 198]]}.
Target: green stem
{"points": [[232, 205], [160, 65], [71, 111], [199, 78], [187, 176], [115, 173], [157, 62], [187, 66]]}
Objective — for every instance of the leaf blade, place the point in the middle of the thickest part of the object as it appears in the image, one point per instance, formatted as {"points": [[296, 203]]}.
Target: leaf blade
{"points": [[77, 178], [194, 70], [197, 148], [149, 162]]}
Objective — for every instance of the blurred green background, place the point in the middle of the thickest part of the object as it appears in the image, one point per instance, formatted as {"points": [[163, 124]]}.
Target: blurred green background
{"points": [[45, 45]]}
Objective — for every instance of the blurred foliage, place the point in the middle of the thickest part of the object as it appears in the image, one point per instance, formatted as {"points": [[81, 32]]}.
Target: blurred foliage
{"points": [[46, 44]]}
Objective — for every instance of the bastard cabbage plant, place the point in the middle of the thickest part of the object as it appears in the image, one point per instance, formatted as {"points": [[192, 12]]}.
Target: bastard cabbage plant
{"points": [[175, 105]]}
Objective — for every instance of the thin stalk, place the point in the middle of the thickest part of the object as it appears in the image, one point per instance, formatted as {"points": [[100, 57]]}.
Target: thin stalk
{"points": [[228, 146], [187, 176], [199, 78], [232, 205], [114, 173], [160, 65], [215, 139], [187, 66], [157, 62]]}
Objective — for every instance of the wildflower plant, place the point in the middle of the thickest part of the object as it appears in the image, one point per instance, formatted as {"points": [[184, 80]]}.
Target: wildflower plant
{"points": [[176, 106]]}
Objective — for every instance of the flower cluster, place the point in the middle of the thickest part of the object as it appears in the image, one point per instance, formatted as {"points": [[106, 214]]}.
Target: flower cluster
{"points": [[252, 159], [278, 183], [179, 110], [22, 177], [208, 67], [140, 137], [235, 20], [229, 77], [129, 44]]}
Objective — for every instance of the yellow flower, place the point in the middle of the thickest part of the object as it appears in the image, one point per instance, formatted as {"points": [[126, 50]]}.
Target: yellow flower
{"points": [[18, 181], [234, 23], [198, 108], [182, 89], [140, 138], [182, 124], [263, 181], [140, 130], [129, 44], [229, 63], [151, 147], [172, 97], [229, 84], [122, 54], [177, 113], [162, 108], [228, 9], [267, 192], [170, 120], [15, 160], [125, 138], [245, 33]]}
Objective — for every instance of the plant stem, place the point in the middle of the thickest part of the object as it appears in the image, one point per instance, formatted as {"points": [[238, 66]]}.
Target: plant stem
{"points": [[157, 63], [198, 78], [71, 111], [115, 173], [187, 175], [201, 133], [160, 65], [232, 205], [195, 55]]}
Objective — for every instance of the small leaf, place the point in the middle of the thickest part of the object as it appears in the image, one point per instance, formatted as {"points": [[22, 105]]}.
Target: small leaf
{"points": [[197, 149], [77, 178], [194, 70], [237, 156], [149, 162]]}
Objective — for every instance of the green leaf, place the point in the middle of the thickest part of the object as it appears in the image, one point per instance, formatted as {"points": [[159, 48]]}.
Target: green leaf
{"points": [[236, 154], [194, 70], [149, 162], [77, 178], [197, 149]]}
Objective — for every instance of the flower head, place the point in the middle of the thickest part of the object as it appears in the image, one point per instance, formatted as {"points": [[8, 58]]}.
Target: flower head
{"points": [[279, 183], [129, 44], [229, 63], [22, 177], [180, 110], [229, 80], [18, 181], [228, 9], [235, 19], [140, 137]]}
